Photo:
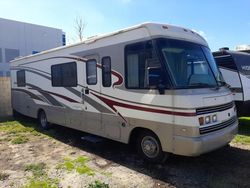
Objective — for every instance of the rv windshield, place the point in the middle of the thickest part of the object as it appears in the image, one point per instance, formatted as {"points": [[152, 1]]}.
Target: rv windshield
{"points": [[190, 65]]}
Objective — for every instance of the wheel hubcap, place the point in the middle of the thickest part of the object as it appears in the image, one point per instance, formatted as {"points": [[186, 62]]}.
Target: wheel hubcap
{"points": [[150, 146]]}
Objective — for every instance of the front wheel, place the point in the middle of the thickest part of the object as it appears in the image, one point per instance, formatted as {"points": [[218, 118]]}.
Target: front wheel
{"points": [[149, 147], [42, 120]]}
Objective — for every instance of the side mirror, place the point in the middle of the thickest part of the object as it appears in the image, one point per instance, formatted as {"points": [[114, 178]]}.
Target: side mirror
{"points": [[161, 89], [154, 74], [154, 79]]}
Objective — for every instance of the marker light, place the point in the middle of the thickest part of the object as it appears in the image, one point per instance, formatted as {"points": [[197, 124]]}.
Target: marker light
{"points": [[207, 119], [214, 118]]}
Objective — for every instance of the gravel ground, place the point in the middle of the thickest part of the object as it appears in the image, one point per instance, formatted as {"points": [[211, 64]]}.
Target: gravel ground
{"points": [[117, 164]]}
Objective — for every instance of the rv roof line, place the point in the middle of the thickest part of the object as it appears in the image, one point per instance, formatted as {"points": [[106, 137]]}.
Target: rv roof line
{"points": [[95, 38]]}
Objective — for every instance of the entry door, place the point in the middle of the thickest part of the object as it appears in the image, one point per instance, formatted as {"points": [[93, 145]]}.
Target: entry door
{"points": [[91, 86]]}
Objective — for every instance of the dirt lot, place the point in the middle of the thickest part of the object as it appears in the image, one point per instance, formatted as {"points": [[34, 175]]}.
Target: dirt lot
{"points": [[30, 157]]}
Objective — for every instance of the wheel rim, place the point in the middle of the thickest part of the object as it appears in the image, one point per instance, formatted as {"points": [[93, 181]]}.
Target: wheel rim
{"points": [[43, 120], [150, 146]]}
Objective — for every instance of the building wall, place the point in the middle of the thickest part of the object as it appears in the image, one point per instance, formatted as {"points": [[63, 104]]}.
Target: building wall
{"points": [[22, 39], [242, 47], [5, 97]]}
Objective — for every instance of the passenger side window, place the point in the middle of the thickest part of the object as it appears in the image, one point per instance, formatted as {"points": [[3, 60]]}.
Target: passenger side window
{"points": [[91, 72], [142, 67], [64, 75], [106, 71], [21, 80]]}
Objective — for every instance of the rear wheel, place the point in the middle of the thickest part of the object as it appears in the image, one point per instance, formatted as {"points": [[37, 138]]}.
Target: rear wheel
{"points": [[42, 120], [149, 147], [15, 114]]}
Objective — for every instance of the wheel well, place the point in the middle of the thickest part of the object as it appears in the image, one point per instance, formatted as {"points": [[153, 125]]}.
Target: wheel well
{"points": [[39, 111], [136, 131]]}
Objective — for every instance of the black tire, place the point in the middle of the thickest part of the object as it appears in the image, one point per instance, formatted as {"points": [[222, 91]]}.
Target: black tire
{"points": [[149, 147], [16, 114], [42, 120]]}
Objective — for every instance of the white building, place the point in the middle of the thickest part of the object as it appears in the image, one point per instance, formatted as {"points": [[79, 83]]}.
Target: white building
{"points": [[242, 47], [21, 39]]}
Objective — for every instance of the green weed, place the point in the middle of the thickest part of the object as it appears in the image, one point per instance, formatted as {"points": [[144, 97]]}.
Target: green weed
{"points": [[14, 127], [44, 182], [3, 176], [98, 184], [19, 139], [243, 136], [36, 169], [78, 164], [40, 178]]}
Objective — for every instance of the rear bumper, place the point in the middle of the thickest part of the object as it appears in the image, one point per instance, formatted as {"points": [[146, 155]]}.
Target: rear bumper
{"points": [[196, 146]]}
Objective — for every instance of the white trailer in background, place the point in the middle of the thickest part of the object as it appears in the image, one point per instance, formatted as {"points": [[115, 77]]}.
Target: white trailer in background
{"points": [[235, 68], [155, 84]]}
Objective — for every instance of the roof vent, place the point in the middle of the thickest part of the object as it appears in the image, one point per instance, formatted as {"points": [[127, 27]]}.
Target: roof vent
{"points": [[224, 48], [165, 27]]}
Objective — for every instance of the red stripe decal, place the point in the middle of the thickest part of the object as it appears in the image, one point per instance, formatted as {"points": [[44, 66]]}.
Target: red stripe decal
{"points": [[120, 79], [112, 103]]}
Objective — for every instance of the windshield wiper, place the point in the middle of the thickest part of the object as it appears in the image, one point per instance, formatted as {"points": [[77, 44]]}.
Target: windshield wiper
{"points": [[222, 83], [203, 85]]}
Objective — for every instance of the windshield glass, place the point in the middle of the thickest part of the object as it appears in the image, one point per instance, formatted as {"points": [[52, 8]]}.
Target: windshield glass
{"points": [[213, 65], [190, 65]]}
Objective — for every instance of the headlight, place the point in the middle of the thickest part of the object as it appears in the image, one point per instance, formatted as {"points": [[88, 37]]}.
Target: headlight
{"points": [[214, 118], [207, 119]]}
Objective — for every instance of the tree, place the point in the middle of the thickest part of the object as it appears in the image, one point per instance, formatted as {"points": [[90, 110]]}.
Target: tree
{"points": [[80, 25]]}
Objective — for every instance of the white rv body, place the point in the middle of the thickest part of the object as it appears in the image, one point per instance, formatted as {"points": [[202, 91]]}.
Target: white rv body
{"points": [[120, 111], [235, 68]]}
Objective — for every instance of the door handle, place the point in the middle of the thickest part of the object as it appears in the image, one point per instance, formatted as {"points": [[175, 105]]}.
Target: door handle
{"points": [[82, 95]]}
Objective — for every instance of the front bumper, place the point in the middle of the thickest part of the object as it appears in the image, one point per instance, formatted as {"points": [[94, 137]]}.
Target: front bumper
{"points": [[205, 143]]}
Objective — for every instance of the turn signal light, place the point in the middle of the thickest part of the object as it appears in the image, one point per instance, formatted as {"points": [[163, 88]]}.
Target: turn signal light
{"points": [[201, 120]]}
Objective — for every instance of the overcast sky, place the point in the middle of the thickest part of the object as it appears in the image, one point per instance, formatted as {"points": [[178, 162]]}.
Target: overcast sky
{"points": [[221, 22]]}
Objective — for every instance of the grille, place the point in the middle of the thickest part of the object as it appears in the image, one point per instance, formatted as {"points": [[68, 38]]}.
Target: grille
{"points": [[212, 128], [206, 110]]}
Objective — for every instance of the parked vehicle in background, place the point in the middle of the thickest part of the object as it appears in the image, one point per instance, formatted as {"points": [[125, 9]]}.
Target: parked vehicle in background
{"points": [[152, 84], [235, 68]]}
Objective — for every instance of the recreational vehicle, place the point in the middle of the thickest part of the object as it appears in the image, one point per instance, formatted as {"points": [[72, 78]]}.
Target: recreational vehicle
{"points": [[235, 68], [152, 84]]}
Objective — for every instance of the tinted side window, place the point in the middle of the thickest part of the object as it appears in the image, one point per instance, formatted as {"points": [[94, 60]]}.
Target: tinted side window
{"points": [[64, 75], [106, 71], [142, 66], [225, 61], [56, 75], [91, 72], [21, 81], [69, 78]]}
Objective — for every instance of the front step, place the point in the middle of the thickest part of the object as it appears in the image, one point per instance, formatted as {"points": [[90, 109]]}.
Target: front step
{"points": [[92, 138]]}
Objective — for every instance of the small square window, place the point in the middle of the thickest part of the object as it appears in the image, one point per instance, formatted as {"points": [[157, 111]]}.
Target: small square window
{"points": [[64, 75], [11, 54], [91, 72], [1, 56], [21, 82], [8, 73], [106, 71]]}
